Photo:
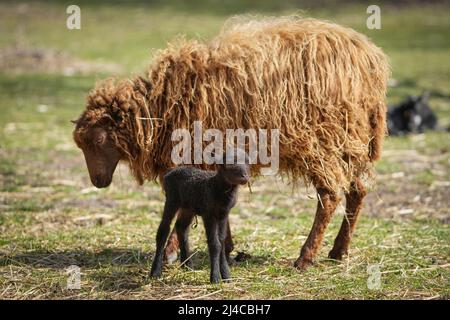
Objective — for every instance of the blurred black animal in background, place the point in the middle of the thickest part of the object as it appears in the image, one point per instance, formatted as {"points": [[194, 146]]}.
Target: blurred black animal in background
{"points": [[413, 115]]}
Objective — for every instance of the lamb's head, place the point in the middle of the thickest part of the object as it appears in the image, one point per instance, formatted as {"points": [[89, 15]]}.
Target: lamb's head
{"points": [[419, 114], [95, 139], [235, 168]]}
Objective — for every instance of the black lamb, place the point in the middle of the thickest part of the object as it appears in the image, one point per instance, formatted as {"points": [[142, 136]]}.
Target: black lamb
{"points": [[413, 115], [208, 194]]}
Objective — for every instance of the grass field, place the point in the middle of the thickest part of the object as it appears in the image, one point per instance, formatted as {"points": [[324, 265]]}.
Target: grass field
{"points": [[51, 217]]}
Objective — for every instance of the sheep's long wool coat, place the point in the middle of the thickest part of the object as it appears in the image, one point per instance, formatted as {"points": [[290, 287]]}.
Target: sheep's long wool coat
{"points": [[321, 85]]}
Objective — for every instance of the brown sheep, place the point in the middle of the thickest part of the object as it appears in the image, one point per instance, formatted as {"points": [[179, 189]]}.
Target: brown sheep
{"points": [[322, 85]]}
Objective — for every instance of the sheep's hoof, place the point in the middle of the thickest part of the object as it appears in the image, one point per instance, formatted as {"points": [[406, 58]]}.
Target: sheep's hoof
{"points": [[302, 264], [171, 257], [214, 279], [335, 255]]}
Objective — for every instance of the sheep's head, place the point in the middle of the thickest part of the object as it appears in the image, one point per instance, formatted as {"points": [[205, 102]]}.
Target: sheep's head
{"points": [[111, 129], [235, 168], [94, 138], [98, 127]]}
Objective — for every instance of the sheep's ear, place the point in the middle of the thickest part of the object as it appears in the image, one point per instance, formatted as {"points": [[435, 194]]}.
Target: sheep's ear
{"points": [[74, 121], [105, 120]]}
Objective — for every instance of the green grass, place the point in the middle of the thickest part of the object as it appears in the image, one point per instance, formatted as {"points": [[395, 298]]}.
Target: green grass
{"points": [[51, 217]]}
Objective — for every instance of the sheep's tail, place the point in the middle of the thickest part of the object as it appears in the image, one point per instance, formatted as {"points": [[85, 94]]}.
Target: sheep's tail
{"points": [[378, 126]]}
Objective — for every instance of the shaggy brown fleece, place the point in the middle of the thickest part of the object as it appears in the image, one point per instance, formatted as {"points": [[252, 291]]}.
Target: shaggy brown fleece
{"points": [[322, 85]]}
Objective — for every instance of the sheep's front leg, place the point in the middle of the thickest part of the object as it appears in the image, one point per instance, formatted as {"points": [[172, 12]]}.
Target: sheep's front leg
{"points": [[170, 209], [224, 268], [325, 209], [214, 247]]}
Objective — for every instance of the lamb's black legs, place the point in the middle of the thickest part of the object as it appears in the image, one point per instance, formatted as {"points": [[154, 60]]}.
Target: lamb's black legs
{"points": [[229, 245], [216, 231], [223, 231], [161, 237], [182, 228], [214, 247]]}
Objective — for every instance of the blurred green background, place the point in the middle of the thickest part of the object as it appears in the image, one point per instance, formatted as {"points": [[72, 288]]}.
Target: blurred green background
{"points": [[118, 37]]}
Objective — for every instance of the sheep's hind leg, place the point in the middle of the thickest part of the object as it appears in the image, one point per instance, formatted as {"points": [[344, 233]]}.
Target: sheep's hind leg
{"points": [[326, 206], [353, 206], [170, 209], [171, 250], [184, 220], [223, 230]]}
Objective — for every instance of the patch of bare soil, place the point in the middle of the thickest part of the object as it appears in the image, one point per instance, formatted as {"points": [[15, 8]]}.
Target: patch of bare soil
{"points": [[403, 194], [22, 59]]}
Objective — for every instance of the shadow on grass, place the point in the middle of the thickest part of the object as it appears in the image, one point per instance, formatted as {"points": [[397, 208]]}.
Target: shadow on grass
{"points": [[200, 259], [112, 269], [112, 257], [81, 258]]}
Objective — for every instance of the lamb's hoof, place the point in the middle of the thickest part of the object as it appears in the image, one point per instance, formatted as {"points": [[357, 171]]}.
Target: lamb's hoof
{"points": [[242, 256], [155, 274], [336, 255], [171, 257], [226, 276], [302, 264]]}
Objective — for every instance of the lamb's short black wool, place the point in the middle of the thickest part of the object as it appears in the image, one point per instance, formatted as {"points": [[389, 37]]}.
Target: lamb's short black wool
{"points": [[208, 194], [412, 115]]}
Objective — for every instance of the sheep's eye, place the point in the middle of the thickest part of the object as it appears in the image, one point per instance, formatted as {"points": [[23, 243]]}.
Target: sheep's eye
{"points": [[100, 140]]}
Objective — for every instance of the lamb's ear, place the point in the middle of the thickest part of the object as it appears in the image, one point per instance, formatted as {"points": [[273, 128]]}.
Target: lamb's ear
{"points": [[214, 156], [74, 121], [425, 96], [413, 99], [241, 153]]}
